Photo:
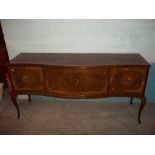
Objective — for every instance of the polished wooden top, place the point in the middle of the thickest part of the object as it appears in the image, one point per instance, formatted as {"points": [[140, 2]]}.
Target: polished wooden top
{"points": [[79, 59]]}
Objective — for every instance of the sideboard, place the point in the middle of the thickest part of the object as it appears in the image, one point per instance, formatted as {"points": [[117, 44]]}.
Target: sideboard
{"points": [[67, 75]]}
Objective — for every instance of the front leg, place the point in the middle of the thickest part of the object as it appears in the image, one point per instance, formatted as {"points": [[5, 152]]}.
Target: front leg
{"points": [[143, 102], [13, 98], [12, 94]]}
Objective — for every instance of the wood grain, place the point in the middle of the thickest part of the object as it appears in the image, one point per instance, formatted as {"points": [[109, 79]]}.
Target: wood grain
{"points": [[80, 75]]}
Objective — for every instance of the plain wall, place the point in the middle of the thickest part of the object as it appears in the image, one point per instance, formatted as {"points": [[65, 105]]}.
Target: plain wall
{"points": [[123, 36]]}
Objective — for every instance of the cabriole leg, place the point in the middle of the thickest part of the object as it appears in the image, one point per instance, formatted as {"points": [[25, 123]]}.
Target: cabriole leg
{"points": [[13, 97], [143, 102], [12, 94]]}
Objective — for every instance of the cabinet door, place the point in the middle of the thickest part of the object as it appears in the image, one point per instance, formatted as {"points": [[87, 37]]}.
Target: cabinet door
{"points": [[128, 80], [27, 78], [76, 83]]}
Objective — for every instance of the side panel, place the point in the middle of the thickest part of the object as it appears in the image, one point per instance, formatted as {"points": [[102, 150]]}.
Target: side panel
{"points": [[128, 80], [27, 78]]}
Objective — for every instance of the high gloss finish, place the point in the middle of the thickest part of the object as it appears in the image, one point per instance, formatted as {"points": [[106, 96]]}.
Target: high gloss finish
{"points": [[80, 75]]}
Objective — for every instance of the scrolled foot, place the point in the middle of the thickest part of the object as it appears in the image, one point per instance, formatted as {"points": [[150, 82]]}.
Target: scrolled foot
{"points": [[143, 102], [17, 107]]}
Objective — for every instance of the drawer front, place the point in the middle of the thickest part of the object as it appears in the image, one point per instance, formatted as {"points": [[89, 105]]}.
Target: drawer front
{"points": [[27, 78], [128, 80], [76, 82]]}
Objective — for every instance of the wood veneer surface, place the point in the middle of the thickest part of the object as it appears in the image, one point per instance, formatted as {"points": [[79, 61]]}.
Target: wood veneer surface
{"points": [[80, 59]]}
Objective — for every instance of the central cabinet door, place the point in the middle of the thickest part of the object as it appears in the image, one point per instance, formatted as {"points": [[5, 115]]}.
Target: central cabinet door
{"points": [[76, 82]]}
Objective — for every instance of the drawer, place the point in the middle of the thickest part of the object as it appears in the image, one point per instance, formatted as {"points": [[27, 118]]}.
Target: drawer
{"points": [[128, 80], [27, 78], [76, 82]]}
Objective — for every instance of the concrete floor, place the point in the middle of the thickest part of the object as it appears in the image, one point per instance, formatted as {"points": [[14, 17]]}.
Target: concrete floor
{"points": [[59, 117]]}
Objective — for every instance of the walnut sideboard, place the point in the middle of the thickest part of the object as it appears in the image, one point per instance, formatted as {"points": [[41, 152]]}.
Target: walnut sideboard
{"points": [[67, 75]]}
